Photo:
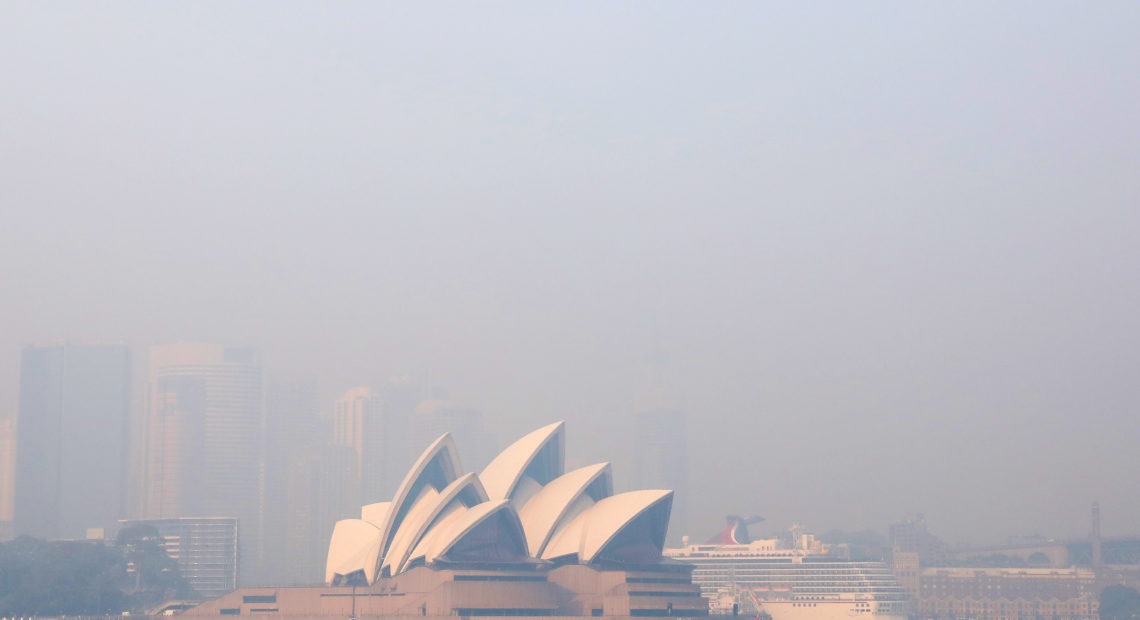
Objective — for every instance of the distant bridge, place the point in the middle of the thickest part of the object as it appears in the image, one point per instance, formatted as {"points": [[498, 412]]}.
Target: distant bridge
{"points": [[1116, 550]]}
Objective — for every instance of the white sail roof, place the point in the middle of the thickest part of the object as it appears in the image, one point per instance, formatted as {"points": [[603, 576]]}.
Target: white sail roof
{"points": [[552, 503], [510, 542], [436, 468], [376, 514], [439, 534], [539, 454], [354, 547], [588, 534], [465, 490], [521, 506]]}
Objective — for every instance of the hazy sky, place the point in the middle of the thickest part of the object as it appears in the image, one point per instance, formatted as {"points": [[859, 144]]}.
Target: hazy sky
{"points": [[892, 250]]}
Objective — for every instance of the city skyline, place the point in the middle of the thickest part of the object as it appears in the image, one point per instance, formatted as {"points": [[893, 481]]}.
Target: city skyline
{"points": [[656, 417], [888, 248]]}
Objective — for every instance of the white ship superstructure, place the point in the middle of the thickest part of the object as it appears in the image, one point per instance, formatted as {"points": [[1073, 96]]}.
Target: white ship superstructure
{"points": [[800, 580]]}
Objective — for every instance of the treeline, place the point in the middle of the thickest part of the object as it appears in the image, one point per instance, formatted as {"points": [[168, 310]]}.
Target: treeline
{"points": [[57, 578], [1119, 603]]}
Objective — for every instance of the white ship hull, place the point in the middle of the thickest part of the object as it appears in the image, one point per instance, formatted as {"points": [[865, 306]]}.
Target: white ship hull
{"points": [[779, 606], [829, 610], [800, 581]]}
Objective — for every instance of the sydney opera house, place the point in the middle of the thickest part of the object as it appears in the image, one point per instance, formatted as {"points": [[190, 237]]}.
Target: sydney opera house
{"points": [[523, 537]]}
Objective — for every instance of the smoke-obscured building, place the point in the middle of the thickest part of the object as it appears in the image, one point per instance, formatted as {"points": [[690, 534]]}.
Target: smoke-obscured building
{"points": [[72, 442], [292, 429], [7, 476], [204, 438], [1025, 580], [1007, 593], [911, 536], [361, 423], [660, 451], [323, 489]]}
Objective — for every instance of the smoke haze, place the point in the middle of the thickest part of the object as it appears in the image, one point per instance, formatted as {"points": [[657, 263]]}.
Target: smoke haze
{"points": [[889, 250]]}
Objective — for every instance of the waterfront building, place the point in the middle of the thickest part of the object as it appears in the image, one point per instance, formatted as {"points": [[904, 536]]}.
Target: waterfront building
{"points": [[204, 438], [72, 439], [1007, 593], [204, 548], [522, 538]]}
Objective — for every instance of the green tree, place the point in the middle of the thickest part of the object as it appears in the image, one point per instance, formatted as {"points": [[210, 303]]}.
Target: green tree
{"points": [[151, 575], [1119, 603], [74, 578], [60, 578]]}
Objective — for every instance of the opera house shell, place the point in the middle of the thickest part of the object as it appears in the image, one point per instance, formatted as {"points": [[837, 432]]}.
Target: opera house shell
{"points": [[523, 537]]}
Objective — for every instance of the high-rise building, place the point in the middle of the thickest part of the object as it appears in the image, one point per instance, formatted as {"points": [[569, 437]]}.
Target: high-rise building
{"points": [[292, 427], [205, 549], [7, 476], [72, 442], [436, 417], [401, 394], [323, 489], [204, 438], [361, 422], [661, 456]]}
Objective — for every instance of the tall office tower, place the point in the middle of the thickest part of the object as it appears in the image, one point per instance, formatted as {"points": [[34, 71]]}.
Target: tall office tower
{"points": [[291, 427], [72, 442], [436, 417], [323, 489], [362, 421], [7, 476], [401, 394], [660, 457], [204, 440], [205, 549]]}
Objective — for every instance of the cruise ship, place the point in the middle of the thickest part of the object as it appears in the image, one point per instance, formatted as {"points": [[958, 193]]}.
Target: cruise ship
{"points": [[796, 579]]}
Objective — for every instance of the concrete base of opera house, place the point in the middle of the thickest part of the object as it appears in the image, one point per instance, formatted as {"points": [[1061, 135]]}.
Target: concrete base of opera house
{"points": [[573, 590]]}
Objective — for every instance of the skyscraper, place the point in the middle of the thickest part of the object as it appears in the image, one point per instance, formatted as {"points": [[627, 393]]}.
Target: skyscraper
{"points": [[7, 475], [72, 442], [204, 439], [401, 394], [323, 488], [660, 458], [360, 422], [291, 428]]}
